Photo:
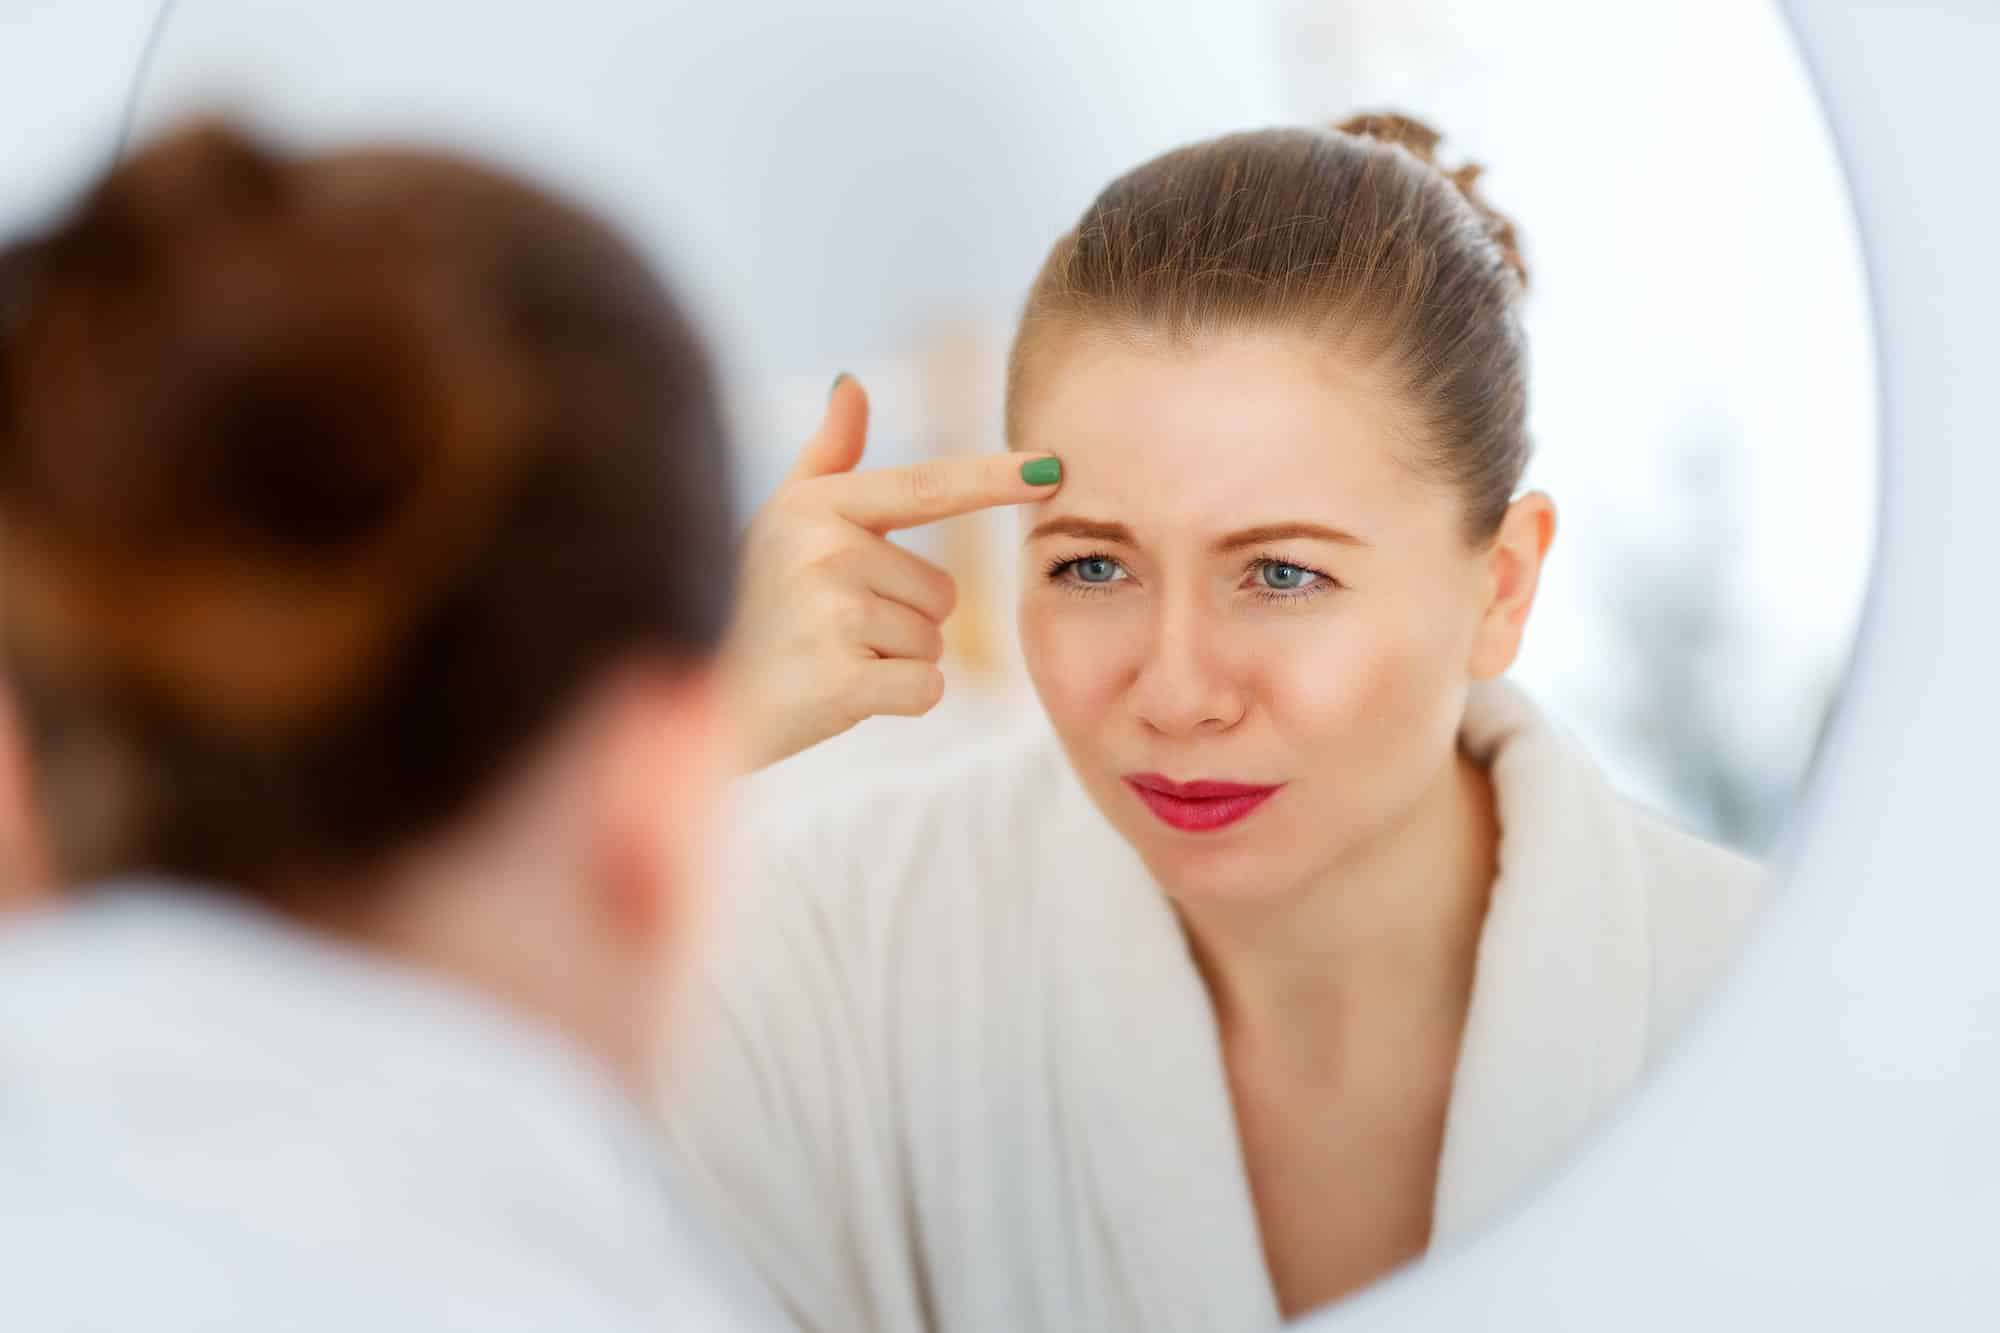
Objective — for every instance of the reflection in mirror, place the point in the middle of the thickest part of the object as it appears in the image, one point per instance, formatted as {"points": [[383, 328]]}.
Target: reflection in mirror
{"points": [[1261, 908]]}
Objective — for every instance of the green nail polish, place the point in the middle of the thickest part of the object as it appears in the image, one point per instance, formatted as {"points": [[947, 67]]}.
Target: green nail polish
{"points": [[836, 385], [1042, 471]]}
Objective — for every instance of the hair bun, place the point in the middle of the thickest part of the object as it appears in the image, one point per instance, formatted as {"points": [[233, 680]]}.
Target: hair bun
{"points": [[195, 177], [249, 404], [1421, 141]]}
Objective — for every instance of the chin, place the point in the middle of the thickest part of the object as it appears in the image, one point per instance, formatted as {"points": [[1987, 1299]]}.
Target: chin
{"points": [[1236, 870]]}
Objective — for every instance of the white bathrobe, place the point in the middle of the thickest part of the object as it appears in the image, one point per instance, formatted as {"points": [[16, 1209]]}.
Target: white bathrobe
{"points": [[211, 1120], [953, 1068]]}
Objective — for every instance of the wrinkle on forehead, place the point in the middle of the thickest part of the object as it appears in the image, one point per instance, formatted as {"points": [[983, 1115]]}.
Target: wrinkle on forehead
{"points": [[1198, 437]]}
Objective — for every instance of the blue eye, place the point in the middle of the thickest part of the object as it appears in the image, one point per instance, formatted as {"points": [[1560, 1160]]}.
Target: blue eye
{"points": [[1286, 578], [1283, 581], [1096, 569], [1087, 573]]}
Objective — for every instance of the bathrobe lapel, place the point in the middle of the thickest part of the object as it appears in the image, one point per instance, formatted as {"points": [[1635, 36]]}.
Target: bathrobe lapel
{"points": [[1556, 1032], [1143, 1075]]}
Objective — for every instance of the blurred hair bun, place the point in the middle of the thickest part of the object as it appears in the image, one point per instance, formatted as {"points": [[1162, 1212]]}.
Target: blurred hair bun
{"points": [[329, 483], [1421, 141], [303, 440], [195, 176]]}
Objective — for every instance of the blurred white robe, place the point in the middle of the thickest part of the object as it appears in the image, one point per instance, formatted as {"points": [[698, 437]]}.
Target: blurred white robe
{"points": [[952, 1068], [212, 1120]]}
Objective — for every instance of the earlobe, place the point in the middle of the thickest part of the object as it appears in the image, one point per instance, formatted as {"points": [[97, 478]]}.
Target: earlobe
{"points": [[655, 814], [629, 798], [632, 881]]}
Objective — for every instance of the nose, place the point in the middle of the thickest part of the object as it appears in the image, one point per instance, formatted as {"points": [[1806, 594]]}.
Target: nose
{"points": [[1185, 685]]}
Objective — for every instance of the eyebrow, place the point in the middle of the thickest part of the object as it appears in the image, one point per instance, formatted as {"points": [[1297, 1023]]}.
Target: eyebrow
{"points": [[1277, 532], [1092, 529]]}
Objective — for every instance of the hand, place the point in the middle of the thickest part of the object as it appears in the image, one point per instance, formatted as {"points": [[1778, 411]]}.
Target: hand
{"points": [[834, 622]]}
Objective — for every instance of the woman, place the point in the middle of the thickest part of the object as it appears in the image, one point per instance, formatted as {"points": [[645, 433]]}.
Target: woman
{"points": [[356, 520], [1300, 940]]}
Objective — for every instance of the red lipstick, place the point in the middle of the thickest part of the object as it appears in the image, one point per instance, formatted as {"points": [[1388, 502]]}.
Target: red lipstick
{"points": [[1197, 807]]}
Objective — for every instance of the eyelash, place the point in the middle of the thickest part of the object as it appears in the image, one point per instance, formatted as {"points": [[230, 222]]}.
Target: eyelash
{"points": [[1323, 582]]}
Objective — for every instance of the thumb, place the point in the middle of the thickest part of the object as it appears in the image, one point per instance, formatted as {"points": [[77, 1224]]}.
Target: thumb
{"points": [[843, 433]]}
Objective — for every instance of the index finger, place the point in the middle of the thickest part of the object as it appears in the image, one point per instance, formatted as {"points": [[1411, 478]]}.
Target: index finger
{"points": [[906, 497]]}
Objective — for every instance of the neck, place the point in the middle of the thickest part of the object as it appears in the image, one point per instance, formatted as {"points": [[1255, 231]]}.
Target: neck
{"points": [[494, 905], [450, 928], [1375, 953]]}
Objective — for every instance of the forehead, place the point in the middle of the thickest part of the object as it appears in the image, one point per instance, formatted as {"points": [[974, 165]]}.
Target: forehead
{"points": [[1233, 429]]}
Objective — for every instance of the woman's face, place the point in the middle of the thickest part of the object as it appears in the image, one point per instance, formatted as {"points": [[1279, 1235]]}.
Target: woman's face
{"points": [[1244, 581]]}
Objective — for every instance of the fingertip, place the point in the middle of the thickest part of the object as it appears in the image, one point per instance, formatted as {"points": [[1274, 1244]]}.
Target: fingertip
{"points": [[842, 435], [847, 400], [1045, 470]]}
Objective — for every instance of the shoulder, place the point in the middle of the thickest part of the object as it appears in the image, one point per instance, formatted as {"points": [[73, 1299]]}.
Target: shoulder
{"points": [[1701, 899]]}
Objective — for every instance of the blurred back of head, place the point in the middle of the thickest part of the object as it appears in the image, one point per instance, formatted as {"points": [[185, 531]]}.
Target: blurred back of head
{"points": [[329, 485], [364, 550]]}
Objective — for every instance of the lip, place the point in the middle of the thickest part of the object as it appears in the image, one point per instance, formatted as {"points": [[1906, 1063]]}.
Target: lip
{"points": [[1201, 806]]}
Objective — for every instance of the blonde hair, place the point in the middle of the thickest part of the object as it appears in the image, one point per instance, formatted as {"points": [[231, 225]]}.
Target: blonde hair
{"points": [[1353, 231]]}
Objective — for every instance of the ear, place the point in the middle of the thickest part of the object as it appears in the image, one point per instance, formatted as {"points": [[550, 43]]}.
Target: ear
{"points": [[1513, 571], [659, 803]]}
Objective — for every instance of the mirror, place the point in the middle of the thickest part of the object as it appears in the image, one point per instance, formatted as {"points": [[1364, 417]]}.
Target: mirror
{"points": [[1038, 1061]]}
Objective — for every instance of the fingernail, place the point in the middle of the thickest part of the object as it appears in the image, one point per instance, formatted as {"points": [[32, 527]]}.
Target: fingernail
{"points": [[836, 385], [1042, 471]]}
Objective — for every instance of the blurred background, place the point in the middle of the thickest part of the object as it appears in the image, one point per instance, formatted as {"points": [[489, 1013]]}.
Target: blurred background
{"points": [[871, 187]]}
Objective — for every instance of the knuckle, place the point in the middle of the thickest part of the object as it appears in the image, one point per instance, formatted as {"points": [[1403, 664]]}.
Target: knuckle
{"points": [[834, 556], [848, 617]]}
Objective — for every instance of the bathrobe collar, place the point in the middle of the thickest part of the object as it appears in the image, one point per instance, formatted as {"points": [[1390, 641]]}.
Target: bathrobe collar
{"points": [[1556, 1032]]}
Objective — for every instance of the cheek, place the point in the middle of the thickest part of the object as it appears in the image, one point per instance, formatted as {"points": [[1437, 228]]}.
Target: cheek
{"points": [[1076, 654], [1361, 694]]}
